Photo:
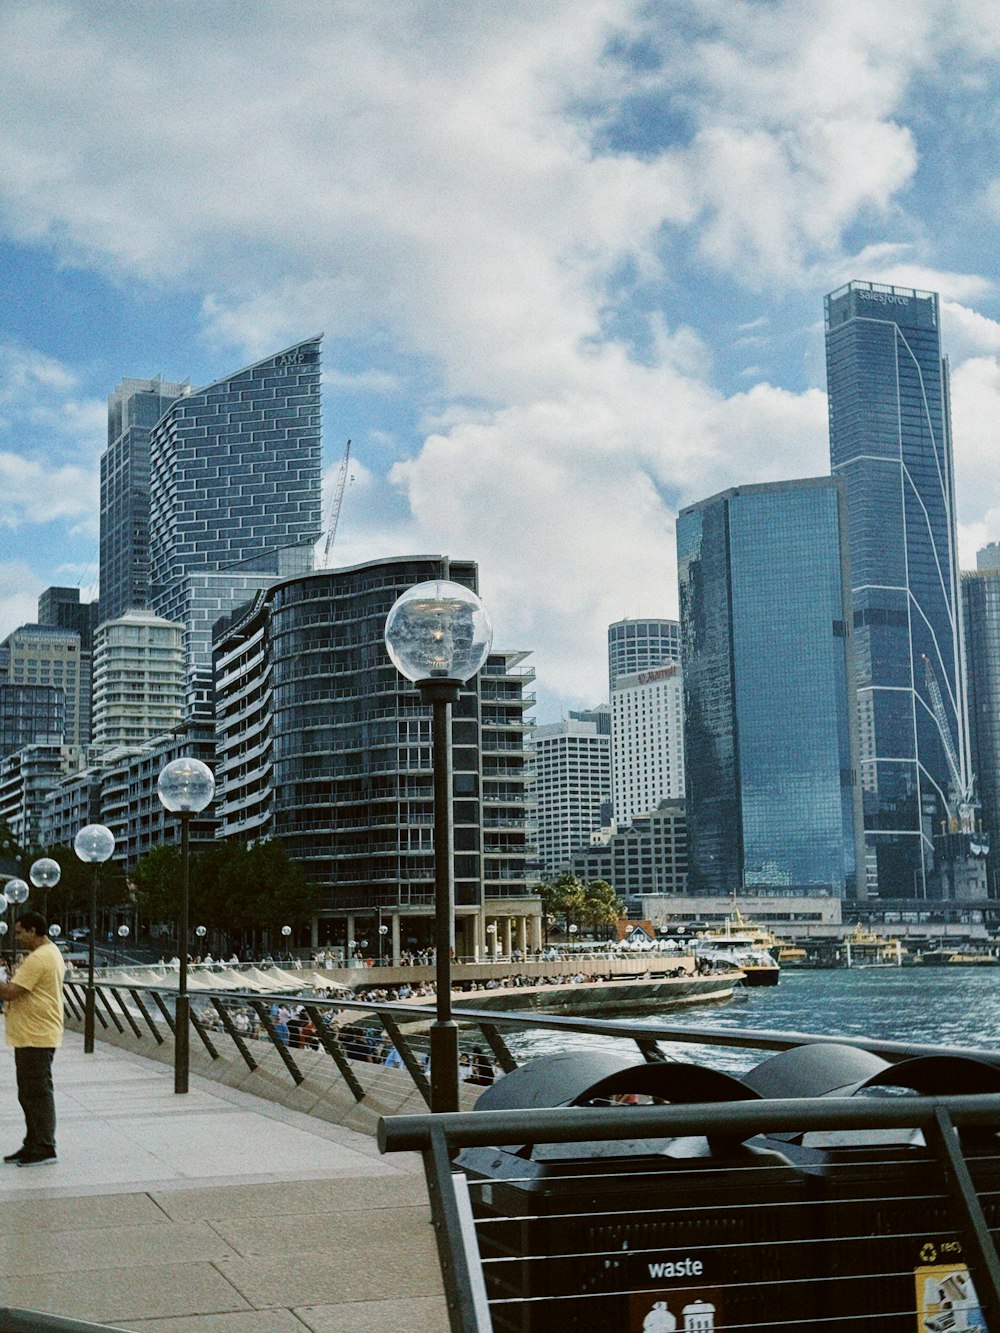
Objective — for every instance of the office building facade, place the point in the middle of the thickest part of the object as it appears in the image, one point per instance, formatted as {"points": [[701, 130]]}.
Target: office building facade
{"points": [[890, 444], [30, 715], [640, 645], [62, 608], [981, 620], [46, 655], [571, 767], [133, 410], [769, 743], [235, 497], [323, 744], [647, 741], [648, 856]]}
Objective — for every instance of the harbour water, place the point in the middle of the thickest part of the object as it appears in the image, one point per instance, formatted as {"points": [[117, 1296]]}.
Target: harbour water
{"points": [[953, 1006]]}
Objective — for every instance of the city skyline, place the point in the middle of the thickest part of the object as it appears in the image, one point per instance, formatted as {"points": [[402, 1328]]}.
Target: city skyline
{"points": [[570, 264]]}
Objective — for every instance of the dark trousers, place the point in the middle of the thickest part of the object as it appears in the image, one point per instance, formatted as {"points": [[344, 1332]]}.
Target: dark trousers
{"points": [[34, 1091]]}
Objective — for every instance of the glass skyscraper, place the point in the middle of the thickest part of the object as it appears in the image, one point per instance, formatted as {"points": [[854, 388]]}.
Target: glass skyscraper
{"points": [[890, 443], [771, 790], [235, 496], [981, 618], [133, 410]]}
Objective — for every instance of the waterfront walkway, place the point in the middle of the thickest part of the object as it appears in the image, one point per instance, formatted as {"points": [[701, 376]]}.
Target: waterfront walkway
{"points": [[214, 1212]]}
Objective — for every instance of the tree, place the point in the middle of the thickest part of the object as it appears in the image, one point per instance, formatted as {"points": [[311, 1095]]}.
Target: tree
{"points": [[563, 895], [601, 905], [236, 892]]}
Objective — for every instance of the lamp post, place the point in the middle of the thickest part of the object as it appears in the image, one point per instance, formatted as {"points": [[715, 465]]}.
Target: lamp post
{"points": [[438, 635], [382, 932], [491, 930], [286, 933], [185, 787], [93, 845], [201, 932], [15, 891], [123, 934]]}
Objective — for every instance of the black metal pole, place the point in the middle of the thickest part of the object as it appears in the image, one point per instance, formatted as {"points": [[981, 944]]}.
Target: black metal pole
{"points": [[441, 694], [182, 1013], [88, 1007]]}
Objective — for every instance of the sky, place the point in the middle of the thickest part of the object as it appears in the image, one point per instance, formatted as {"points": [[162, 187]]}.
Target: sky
{"points": [[569, 259]]}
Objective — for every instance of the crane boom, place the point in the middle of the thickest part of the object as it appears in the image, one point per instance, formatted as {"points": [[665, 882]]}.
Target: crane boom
{"points": [[335, 503]]}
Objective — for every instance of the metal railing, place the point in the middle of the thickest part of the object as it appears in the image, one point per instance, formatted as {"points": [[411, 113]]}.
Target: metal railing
{"points": [[760, 1232]]}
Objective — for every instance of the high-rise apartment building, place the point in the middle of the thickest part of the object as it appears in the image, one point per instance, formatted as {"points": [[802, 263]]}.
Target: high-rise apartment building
{"points": [[890, 444], [639, 645], [139, 684], [981, 619], [647, 740], [235, 496], [571, 763], [764, 599], [648, 856], [323, 744], [133, 410]]}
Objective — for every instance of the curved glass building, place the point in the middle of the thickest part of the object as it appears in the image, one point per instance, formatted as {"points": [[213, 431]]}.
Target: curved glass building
{"points": [[890, 443]]}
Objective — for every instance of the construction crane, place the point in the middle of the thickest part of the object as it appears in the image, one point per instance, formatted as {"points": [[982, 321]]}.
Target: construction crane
{"points": [[338, 498], [962, 813]]}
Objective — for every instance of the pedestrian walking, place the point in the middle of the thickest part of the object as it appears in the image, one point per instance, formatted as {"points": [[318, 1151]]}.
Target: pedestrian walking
{"points": [[34, 1020]]}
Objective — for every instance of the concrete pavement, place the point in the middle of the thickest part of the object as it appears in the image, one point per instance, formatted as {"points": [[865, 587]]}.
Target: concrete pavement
{"points": [[214, 1212]]}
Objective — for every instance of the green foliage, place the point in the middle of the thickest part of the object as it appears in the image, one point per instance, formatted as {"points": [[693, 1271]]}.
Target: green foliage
{"points": [[72, 893], [234, 890], [601, 905], [562, 896]]}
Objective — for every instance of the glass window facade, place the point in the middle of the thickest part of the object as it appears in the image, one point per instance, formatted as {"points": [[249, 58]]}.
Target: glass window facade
{"points": [[235, 497], [890, 444], [772, 796]]}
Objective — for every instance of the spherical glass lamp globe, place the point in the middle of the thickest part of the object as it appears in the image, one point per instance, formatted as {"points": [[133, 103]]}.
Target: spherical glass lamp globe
{"points": [[438, 630], [286, 931], [16, 891], [3, 929], [201, 931], [55, 931], [45, 872], [185, 786], [123, 932], [95, 843]]}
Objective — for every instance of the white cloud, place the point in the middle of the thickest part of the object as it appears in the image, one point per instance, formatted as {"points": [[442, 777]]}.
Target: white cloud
{"points": [[435, 179], [20, 587]]}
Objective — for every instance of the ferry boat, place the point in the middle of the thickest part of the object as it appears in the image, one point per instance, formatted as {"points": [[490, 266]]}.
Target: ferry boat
{"points": [[740, 944], [864, 948]]}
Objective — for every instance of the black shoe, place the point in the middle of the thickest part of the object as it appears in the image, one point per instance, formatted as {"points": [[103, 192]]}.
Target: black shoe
{"points": [[36, 1159], [13, 1158]]}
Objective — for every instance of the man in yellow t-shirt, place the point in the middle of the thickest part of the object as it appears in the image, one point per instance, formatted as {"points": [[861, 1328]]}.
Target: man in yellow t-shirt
{"points": [[33, 1000]]}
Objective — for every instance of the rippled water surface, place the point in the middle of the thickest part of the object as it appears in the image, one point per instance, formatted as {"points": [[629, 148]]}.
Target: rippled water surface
{"points": [[959, 1006]]}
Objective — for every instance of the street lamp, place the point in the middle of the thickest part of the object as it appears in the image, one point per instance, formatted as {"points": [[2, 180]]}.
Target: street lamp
{"points": [[93, 845], [45, 874], [15, 891], [123, 934], [201, 932], [438, 635], [491, 929], [185, 787], [286, 932], [382, 932], [55, 931]]}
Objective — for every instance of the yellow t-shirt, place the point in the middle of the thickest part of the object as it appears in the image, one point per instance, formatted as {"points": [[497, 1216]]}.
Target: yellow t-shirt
{"points": [[36, 1019]]}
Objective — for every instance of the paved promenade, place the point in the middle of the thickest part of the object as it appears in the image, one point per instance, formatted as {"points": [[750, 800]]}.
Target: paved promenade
{"points": [[215, 1212]]}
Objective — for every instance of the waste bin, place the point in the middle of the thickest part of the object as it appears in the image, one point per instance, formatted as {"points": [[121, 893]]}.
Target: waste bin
{"points": [[893, 1258], [637, 1235]]}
